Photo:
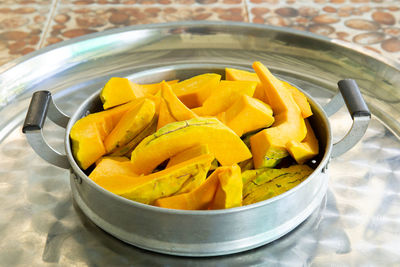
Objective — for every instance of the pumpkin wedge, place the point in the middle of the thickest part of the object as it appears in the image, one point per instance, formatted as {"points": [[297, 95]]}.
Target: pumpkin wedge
{"points": [[229, 190], [242, 75], [106, 120], [269, 146], [107, 168], [194, 91], [268, 183], [306, 149], [204, 196], [225, 95], [152, 89], [86, 133], [174, 109], [147, 188], [247, 114], [130, 125], [119, 91], [103, 122], [127, 149], [198, 111], [198, 199], [300, 99], [188, 154], [195, 151], [87, 143], [115, 114], [116, 158], [175, 137], [164, 116]]}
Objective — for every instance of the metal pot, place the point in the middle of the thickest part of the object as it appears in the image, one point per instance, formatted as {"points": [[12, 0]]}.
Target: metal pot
{"points": [[197, 233]]}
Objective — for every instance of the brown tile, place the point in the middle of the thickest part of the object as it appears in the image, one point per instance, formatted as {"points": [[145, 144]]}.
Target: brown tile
{"points": [[383, 18], [25, 2], [342, 36], [75, 20], [259, 11], [321, 29], [369, 38], [148, 2], [373, 49], [21, 28], [264, 1], [392, 31], [287, 12], [278, 21], [326, 19], [329, 9], [370, 24], [362, 24], [391, 45], [307, 11]]}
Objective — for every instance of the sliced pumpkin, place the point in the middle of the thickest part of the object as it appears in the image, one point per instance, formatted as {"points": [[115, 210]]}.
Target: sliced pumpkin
{"points": [[164, 116], [152, 89], [186, 155], [178, 136], [204, 196], [229, 191], [130, 125], [87, 131], [127, 149], [116, 158], [269, 146], [107, 168], [174, 108], [198, 111], [146, 189], [119, 91], [300, 99], [225, 95], [247, 114], [195, 151], [267, 183], [306, 149], [87, 143], [242, 75], [194, 91]]}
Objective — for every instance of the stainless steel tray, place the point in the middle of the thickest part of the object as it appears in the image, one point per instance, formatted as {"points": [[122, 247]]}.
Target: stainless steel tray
{"points": [[358, 222]]}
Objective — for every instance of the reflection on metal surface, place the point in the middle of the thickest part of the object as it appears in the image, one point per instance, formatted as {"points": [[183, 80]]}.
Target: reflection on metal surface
{"points": [[358, 224]]}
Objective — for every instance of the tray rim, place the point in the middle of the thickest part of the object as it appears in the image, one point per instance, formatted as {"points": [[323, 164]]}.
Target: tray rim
{"points": [[359, 49]]}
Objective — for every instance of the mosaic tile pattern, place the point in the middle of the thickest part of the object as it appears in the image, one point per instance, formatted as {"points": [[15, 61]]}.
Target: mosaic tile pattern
{"points": [[149, 2], [27, 25], [70, 22], [374, 25], [21, 29]]}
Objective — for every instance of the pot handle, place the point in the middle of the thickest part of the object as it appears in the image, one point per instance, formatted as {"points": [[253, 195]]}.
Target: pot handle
{"points": [[42, 106], [350, 93]]}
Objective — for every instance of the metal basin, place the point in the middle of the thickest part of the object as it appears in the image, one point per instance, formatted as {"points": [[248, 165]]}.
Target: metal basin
{"points": [[197, 233]]}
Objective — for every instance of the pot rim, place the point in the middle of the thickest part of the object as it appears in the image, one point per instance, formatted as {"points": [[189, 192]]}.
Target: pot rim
{"points": [[78, 171]]}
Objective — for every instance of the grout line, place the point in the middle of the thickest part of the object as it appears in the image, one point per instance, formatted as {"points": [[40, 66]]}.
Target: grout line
{"points": [[246, 8], [53, 9]]}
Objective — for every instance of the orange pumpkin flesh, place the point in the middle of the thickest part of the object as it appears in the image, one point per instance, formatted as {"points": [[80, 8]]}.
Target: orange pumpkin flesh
{"points": [[269, 146], [178, 136]]}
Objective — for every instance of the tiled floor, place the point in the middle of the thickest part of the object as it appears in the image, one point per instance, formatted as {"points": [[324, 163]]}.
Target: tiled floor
{"points": [[28, 25]]}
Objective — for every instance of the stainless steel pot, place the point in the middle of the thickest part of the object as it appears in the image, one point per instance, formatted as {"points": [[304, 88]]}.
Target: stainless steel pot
{"points": [[197, 233]]}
